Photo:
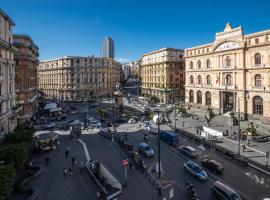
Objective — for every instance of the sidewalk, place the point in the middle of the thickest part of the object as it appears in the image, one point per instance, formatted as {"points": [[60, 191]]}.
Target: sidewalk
{"points": [[255, 151]]}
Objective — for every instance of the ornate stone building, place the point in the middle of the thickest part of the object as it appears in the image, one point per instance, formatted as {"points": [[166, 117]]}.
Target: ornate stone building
{"points": [[78, 78], [26, 76], [8, 120], [233, 70], [162, 74]]}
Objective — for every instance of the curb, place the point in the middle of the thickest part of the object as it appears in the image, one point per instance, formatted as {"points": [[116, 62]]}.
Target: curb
{"points": [[198, 139]]}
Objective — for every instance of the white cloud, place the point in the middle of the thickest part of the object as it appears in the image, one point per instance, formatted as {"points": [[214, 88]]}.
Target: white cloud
{"points": [[122, 60]]}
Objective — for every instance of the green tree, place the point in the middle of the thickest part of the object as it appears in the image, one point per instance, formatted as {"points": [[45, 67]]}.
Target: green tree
{"points": [[14, 154], [7, 177]]}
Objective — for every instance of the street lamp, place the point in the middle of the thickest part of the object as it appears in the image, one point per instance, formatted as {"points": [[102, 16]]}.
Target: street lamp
{"points": [[239, 130], [159, 164]]}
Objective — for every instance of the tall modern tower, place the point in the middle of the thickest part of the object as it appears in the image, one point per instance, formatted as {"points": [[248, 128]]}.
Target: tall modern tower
{"points": [[108, 48]]}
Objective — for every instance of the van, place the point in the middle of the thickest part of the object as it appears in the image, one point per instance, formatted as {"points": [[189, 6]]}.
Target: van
{"points": [[223, 191], [157, 119], [152, 128], [170, 137]]}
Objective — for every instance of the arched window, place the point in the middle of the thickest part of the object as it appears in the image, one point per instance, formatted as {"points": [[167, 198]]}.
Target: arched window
{"points": [[191, 96], [228, 79], [199, 64], [258, 105], [258, 80], [258, 59], [228, 61], [191, 79], [199, 79], [199, 97], [191, 65], [208, 80], [208, 98], [208, 63]]}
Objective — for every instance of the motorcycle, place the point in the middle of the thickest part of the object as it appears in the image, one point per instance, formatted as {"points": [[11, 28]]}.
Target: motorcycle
{"points": [[191, 191]]}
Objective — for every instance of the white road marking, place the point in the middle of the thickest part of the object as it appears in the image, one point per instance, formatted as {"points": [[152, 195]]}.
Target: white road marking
{"points": [[87, 155]]}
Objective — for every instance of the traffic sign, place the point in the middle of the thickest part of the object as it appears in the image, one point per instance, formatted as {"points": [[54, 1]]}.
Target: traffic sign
{"points": [[125, 162]]}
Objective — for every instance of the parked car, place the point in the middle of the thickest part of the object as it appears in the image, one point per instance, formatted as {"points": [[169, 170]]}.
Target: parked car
{"points": [[132, 121], [161, 105], [156, 110], [212, 165], [49, 125], [195, 170], [105, 132], [170, 137], [74, 111], [146, 150], [223, 191], [84, 111], [152, 128], [188, 151]]}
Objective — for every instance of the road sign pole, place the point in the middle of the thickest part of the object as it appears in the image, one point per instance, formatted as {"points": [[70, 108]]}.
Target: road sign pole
{"points": [[125, 175]]}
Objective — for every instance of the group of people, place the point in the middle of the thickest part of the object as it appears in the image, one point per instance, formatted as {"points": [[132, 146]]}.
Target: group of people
{"points": [[71, 167]]}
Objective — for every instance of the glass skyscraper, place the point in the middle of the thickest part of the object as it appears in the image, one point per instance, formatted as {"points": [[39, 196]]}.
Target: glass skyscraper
{"points": [[108, 47]]}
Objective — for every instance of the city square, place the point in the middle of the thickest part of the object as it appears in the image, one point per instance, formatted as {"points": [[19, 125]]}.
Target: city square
{"points": [[95, 105]]}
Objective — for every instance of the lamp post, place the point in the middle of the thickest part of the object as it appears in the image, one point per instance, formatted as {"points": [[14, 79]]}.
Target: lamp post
{"points": [[239, 130], [159, 164]]}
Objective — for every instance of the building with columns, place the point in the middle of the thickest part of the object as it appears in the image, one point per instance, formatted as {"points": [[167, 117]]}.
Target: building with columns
{"points": [[26, 76], [8, 115], [231, 73], [162, 74], [78, 78]]}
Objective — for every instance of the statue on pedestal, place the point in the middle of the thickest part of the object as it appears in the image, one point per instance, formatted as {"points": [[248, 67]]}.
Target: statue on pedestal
{"points": [[118, 95]]}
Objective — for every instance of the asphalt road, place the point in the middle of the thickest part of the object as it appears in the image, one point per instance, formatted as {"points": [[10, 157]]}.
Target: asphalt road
{"points": [[247, 180]]}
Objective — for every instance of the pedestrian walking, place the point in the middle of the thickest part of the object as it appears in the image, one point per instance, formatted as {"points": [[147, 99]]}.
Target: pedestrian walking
{"points": [[65, 172], [47, 160], [130, 165], [73, 161], [66, 153], [248, 142], [244, 148], [70, 170]]}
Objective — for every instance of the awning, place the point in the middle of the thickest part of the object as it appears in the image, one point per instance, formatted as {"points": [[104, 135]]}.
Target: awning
{"points": [[56, 109], [50, 106], [208, 132]]}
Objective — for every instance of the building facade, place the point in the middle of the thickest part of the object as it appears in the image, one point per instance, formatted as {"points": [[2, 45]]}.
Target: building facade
{"points": [[8, 120], [231, 73], [108, 48], [162, 74], [26, 60], [78, 78]]}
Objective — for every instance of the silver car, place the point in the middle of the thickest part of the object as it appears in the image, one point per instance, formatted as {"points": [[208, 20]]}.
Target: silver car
{"points": [[146, 150]]}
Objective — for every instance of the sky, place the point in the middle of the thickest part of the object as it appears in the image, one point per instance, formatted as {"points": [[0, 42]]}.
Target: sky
{"points": [[77, 27]]}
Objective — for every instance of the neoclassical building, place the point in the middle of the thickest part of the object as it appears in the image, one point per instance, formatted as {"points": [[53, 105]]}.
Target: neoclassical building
{"points": [[162, 74], [78, 78], [233, 70], [26, 59], [8, 109]]}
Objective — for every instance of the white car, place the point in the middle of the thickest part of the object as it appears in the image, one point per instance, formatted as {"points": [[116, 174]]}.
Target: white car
{"points": [[132, 121], [152, 128], [161, 105]]}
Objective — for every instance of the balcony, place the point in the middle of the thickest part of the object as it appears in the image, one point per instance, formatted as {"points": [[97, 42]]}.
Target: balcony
{"points": [[228, 87]]}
